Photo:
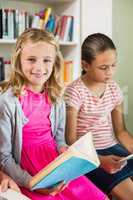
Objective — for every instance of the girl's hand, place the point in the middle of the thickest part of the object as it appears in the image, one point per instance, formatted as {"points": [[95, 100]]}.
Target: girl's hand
{"points": [[52, 191], [6, 182], [111, 163], [61, 149]]}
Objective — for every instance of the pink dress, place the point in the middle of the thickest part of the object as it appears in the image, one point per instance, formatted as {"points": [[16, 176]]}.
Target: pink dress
{"points": [[39, 149]]}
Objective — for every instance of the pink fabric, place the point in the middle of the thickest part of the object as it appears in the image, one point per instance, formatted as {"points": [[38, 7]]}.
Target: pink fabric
{"points": [[39, 149]]}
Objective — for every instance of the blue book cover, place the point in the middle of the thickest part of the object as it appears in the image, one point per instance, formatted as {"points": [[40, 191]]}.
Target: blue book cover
{"points": [[79, 159]]}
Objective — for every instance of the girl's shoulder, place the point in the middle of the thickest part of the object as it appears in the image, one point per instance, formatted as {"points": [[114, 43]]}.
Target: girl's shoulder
{"points": [[113, 86], [7, 98], [76, 83], [8, 93], [115, 92], [77, 86]]}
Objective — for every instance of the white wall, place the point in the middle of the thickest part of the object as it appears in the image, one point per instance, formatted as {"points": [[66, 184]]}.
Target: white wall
{"points": [[123, 38], [114, 18], [96, 16]]}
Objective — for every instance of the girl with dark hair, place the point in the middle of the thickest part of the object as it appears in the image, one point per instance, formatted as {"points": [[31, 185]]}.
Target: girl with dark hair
{"points": [[94, 104]]}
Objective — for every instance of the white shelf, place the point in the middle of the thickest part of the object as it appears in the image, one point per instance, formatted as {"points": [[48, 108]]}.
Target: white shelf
{"points": [[7, 41], [12, 41], [50, 1], [68, 43]]}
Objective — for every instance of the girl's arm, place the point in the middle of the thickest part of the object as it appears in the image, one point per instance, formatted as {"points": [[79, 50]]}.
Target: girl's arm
{"points": [[120, 129], [71, 124], [8, 135]]}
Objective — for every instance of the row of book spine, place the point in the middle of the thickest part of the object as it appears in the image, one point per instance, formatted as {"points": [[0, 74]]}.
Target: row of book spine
{"points": [[67, 71], [62, 26], [13, 22], [5, 68]]}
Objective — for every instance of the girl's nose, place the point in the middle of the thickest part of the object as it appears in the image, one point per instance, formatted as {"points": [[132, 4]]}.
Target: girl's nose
{"points": [[109, 70], [40, 65]]}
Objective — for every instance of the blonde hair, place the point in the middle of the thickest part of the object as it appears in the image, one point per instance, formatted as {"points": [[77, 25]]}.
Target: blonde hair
{"points": [[17, 80]]}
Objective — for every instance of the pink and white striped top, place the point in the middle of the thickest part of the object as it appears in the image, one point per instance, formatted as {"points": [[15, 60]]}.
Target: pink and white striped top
{"points": [[94, 113]]}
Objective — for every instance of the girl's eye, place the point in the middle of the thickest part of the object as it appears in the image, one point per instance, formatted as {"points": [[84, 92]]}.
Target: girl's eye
{"points": [[47, 61], [114, 65], [32, 60], [103, 67], [106, 67]]}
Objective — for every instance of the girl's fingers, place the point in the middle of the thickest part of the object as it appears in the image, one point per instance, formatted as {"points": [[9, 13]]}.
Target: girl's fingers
{"points": [[53, 191], [58, 189], [8, 183], [14, 186], [4, 185], [64, 186]]}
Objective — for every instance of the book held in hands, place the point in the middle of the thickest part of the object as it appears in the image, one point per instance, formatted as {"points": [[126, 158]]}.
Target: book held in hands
{"points": [[79, 159]]}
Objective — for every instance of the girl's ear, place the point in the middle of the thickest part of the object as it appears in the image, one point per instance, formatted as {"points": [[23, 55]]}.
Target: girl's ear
{"points": [[85, 65]]}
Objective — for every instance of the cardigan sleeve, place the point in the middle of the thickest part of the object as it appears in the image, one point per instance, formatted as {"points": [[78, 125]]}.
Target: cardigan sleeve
{"points": [[59, 123], [7, 139]]}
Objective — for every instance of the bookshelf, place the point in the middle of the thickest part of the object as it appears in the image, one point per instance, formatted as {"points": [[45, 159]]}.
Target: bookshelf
{"points": [[70, 49]]}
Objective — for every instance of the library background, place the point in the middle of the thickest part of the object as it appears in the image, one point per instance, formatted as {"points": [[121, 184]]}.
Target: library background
{"points": [[61, 17], [71, 21]]}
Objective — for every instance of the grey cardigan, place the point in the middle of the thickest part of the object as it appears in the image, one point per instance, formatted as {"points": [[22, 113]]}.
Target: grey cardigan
{"points": [[12, 120]]}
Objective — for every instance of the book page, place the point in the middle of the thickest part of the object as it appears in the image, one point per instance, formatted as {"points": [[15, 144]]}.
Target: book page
{"points": [[127, 158], [86, 148], [12, 195]]}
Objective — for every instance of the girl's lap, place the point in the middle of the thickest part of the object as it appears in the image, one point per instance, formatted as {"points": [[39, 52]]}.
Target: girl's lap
{"points": [[106, 181]]}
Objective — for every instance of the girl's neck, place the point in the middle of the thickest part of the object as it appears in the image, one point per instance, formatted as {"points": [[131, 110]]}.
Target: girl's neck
{"points": [[97, 88], [35, 89]]}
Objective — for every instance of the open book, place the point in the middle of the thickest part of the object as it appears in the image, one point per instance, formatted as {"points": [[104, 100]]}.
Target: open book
{"points": [[12, 195], [80, 158]]}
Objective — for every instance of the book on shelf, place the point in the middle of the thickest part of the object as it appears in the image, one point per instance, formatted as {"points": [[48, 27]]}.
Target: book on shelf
{"points": [[5, 68], [67, 28], [12, 195], [2, 71], [50, 24], [70, 33], [47, 14], [68, 71], [79, 159], [63, 26], [1, 24]]}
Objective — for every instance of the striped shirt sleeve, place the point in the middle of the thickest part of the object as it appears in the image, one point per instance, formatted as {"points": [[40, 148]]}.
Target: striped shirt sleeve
{"points": [[116, 93], [72, 97]]}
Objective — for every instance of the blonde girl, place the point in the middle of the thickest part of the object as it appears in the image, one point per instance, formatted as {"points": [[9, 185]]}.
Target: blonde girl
{"points": [[32, 118]]}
